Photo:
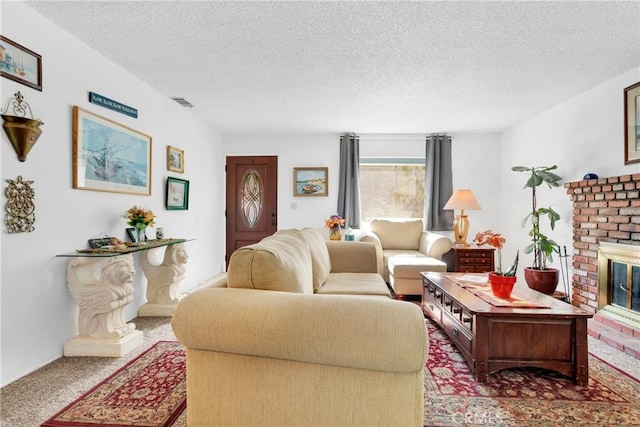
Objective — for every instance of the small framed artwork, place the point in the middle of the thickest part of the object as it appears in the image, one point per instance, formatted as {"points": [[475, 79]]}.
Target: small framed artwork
{"points": [[177, 194], [310, 182], [175, 159], [632, 124], [20, 64], [108, 156], [100, 242]]}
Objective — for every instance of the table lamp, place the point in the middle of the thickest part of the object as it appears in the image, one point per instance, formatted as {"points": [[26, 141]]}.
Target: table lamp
{"points": [[462, 199]]}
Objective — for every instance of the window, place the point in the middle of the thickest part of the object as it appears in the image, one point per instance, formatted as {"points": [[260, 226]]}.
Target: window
{"points": [[391, 188]]}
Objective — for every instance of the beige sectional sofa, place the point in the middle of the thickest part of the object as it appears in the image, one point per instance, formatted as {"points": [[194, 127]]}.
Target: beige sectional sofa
{"points": [[302, 261], [404, 250], [284, 345]]}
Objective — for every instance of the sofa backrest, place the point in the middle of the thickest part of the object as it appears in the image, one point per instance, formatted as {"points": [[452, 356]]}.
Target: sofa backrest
{"points": [[280, 262], [398, 234], [320, 261]]}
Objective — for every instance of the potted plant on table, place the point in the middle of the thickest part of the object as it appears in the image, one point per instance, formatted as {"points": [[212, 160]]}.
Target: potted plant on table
{"points": [[539, 276], [501, 281]]}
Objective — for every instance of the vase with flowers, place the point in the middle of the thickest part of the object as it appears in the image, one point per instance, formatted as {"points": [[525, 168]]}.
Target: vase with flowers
{"points": [[334, 224], [139, 218], [502, 282]]}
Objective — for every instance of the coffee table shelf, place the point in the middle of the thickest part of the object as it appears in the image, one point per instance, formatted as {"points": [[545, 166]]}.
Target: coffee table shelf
{"points": [[493, 338]]}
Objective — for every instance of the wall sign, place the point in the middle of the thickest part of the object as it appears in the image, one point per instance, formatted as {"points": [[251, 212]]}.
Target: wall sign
{"points": [[105, 102]]}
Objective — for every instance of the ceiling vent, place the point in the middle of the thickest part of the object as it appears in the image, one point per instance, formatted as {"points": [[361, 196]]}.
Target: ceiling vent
{"points": [[183, 102]]}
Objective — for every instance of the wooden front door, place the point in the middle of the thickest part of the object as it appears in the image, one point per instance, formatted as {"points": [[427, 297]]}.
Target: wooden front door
{"points": [[252, 200]]}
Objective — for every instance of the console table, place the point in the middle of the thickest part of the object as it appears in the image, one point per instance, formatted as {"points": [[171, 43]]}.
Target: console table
{"points": [[492, 338], [101, 284]]}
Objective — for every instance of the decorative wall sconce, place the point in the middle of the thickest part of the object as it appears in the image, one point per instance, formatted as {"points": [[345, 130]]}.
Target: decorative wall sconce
{"points": [[20, 206], [23, 132]]}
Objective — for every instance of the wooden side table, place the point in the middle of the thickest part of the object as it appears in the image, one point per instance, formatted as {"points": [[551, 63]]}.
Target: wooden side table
{"points": [[470, 259]]}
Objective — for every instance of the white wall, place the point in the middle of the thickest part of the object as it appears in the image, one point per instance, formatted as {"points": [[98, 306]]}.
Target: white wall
{"points": [[37, 313], [320, 150], [473, 160], [581, 135]]}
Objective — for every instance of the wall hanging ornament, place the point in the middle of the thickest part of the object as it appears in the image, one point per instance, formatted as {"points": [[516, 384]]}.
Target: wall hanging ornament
{"points": [[20, 207], [23, 132]]}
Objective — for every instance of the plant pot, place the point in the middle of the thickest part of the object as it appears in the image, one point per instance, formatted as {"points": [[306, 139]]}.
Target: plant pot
{"points": [[501, 286], [544, 281]]}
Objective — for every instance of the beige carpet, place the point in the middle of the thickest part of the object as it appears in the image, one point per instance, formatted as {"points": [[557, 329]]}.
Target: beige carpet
{"points": [[31, 400]]}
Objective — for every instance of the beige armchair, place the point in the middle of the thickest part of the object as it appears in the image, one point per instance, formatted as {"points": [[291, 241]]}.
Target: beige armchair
{"points": [[404, 250]]}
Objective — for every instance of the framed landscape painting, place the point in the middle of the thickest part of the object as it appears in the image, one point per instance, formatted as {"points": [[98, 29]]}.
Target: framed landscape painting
{"points": [[108, 156], [310, 182], [632, 124], [20, 64]]}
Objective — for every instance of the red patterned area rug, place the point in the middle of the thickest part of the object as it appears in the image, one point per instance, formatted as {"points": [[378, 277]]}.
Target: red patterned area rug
{"points": [[149, 391], [523, 397]]}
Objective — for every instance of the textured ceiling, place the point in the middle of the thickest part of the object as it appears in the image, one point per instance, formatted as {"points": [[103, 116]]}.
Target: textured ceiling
{"points": [[368, 67]]}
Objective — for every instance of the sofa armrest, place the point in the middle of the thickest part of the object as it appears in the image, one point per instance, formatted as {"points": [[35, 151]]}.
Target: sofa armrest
{"points": [[434, 245], [333, 330], [352, 257], [371, 237]]}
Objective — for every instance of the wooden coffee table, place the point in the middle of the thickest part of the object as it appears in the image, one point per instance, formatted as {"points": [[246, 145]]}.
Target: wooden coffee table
{"points": [[493, 338]]}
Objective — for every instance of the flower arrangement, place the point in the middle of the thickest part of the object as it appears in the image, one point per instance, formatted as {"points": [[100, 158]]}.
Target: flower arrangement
{"points": [[497, 241], [139, 218], [334, 220]]}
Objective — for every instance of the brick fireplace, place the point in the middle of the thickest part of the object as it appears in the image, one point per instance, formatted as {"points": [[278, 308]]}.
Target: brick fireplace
{"points": [[604, 210]]}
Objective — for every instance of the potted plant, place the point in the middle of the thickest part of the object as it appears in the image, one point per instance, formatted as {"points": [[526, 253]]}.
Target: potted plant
{"points": [[540, 277], [501, 281]]}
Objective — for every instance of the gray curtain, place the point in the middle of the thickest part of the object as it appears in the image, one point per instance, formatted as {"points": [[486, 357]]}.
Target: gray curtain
{"points": [[438, 183], [349, 189]]}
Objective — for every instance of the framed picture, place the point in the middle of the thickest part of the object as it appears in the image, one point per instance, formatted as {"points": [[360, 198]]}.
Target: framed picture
{"points": [[632, 124], [177, 194], [100, 242], [310, 182], [108, 156], [20, 64], [175, 159]]}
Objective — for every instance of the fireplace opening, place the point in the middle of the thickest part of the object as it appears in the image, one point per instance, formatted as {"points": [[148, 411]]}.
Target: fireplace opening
{"points": [[619, 281]]}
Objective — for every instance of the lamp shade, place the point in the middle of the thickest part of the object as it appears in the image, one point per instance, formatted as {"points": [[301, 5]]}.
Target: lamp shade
{"points": [[462, 199]]}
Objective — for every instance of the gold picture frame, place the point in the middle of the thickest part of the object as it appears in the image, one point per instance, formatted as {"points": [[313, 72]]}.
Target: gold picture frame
{"points": [[175, 159], [632, 124], [311, 182], [108, 156]]}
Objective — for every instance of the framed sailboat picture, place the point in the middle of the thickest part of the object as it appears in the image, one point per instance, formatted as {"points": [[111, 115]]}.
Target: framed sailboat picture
{"points": [[20, 64], [108, 156], [310, 181]]}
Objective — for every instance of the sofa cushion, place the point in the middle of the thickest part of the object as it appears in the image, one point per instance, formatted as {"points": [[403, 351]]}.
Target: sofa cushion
{"points": [[355, 284], [398, 234], [280, 262], [320, 261]]}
